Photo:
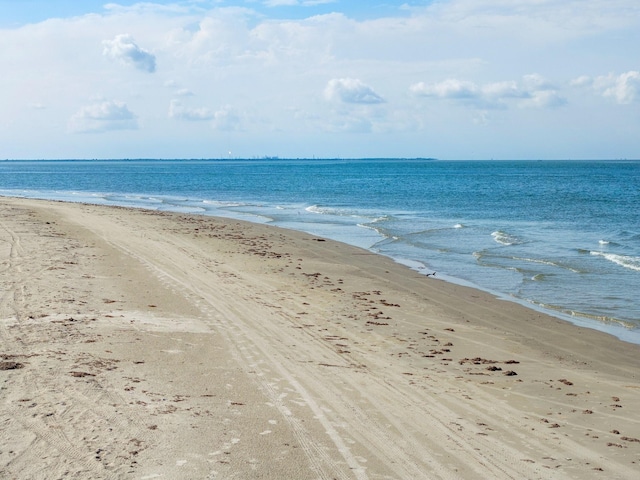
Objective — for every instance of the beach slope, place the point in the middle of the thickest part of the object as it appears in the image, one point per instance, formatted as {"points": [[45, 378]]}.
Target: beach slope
{"points": [[141, 344]]}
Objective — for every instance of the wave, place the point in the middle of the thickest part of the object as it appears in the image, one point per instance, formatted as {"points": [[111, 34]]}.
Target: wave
{"points": [[320, 210], [433, 231], [546, 262], [504, 238], [343, 212], [381, 231], [223, 204], [128, 200], [608, 243], [575, 316], [632, 263], [338, 212], [518, 264]]}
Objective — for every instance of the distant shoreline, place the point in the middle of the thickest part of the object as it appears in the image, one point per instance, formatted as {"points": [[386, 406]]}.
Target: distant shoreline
{"points": [[337, 159]]}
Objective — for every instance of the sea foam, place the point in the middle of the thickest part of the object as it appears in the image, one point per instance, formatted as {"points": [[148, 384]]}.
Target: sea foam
{"points": [[505, 238], [632, 263]]}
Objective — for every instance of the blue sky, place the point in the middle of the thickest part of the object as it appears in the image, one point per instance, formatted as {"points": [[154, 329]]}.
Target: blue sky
{"points": [[452, 79], [19, 12]]}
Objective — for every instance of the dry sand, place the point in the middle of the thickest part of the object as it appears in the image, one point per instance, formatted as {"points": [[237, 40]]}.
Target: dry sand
{"points": [[137, 344]]}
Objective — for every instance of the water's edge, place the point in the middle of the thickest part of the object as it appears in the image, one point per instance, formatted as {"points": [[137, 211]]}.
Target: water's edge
{"points": [[630, 335]]}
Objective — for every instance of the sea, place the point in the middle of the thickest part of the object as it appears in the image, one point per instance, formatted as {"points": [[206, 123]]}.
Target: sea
{"points": [[561, 237]]}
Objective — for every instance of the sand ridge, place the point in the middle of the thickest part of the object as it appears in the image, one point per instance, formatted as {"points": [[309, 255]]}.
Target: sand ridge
{"points": [[141, 344]]}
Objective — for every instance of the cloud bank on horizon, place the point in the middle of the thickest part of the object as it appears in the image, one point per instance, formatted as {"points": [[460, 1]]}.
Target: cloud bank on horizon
{"points": [[456, 79]]}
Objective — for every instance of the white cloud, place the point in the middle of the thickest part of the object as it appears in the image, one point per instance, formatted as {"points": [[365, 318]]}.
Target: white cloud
{"points": [[124, 49], [351, 90], [625, 88], [535, 82], [535, 21], [503, 90], [543, 99], [226, 120], [178, 111], [532, 91], [451, 88], [582, 81], [103, 117]]}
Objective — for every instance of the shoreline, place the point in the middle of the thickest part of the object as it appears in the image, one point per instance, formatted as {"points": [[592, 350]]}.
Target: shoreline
{"points": [[615, 328], [188, 346], [620, 329]]}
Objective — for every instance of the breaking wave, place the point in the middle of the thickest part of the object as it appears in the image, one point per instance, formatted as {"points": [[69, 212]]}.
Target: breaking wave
{"points": [[504, 238], [632, 263]]}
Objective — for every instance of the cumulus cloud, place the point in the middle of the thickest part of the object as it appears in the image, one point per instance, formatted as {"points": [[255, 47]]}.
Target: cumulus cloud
{"points": [[351, 90], [226, 119], [535, 82], [124, 49], [103, 117], [503, 90], [532, 91], [582, 81], [624, 89], [451, 88], [184, 92], [543, 99], [178, 111]]}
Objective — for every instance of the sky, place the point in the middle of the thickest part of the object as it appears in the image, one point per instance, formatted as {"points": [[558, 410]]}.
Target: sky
{"points": [[450, 79]]}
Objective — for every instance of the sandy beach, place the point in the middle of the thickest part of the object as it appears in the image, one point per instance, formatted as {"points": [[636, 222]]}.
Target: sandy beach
{"points": [[140, 345]]}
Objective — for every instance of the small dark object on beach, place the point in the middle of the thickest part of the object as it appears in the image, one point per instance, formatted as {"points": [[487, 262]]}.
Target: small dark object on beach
{"points": [[10, 365]]}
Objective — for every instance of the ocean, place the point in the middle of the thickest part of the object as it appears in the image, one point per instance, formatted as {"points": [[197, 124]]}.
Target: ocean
{"points": [[561, 237]]}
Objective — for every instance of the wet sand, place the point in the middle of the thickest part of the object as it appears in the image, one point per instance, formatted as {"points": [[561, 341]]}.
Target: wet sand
{"points": [[138, 344]]}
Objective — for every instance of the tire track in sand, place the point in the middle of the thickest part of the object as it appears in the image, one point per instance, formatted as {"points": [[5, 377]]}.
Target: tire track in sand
{"points": [[214, 302], [182, 276], [49, 426]]}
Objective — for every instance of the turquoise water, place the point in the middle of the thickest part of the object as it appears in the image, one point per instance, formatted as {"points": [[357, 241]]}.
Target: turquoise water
{"points": [[560, 236]]}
